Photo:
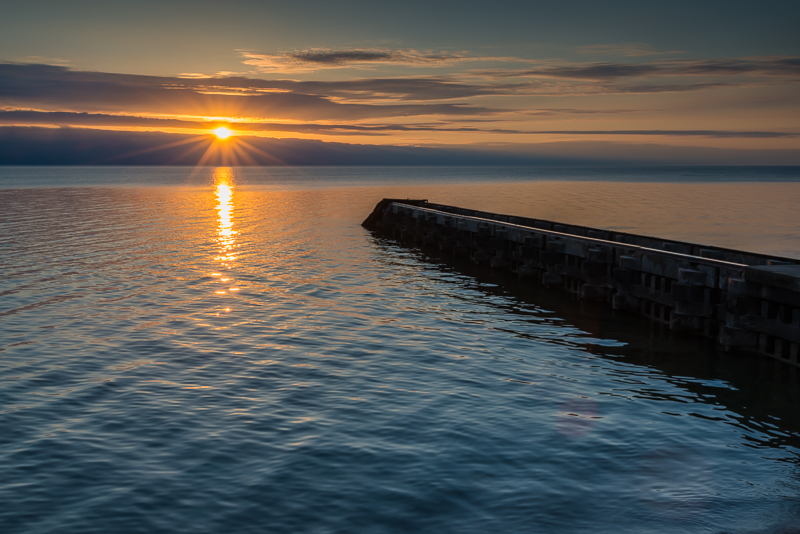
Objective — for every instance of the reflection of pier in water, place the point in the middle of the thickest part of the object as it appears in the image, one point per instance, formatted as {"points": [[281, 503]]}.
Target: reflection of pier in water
{"points": [[758, 386]]}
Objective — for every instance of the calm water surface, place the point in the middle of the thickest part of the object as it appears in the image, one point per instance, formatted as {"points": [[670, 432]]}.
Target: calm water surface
{"points": [[227, 350]]}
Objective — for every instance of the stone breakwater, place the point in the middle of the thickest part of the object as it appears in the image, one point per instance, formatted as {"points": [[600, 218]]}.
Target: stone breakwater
{"points": [[745, 301]]}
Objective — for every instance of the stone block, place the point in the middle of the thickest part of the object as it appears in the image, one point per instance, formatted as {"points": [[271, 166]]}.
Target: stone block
{"points": [[694, 277], [601, 254], [552, 280], [626, 302], [480, 256], [527, 271], [551, 258], [630, 262], [626, 276], [593, 292], [499, 263], [702, 309], [534, 241], [790, 298], [660, 265], [785, 277], [598, 234], [738, 337], [685, 323], [594, 268], [739, 305], [688, 292], [712, 254], [577, 248], [678, 248], [460, 251], [496, 243]]}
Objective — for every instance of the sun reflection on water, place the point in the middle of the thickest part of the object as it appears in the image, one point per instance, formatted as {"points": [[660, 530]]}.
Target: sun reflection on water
{"points": [[226, 235]]}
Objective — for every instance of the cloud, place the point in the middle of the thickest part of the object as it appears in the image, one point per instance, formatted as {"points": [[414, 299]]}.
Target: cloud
{"points": [[28, 117], [59, 146], [73, 146], [623, 49], [58, 88], [787, 67], [318, 58]]}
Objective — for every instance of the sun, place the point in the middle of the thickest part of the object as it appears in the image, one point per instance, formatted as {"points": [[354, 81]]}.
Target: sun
{"points": [[222, 132]]}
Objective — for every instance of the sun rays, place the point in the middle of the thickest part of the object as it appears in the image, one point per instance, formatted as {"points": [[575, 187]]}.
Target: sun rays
{"points": [[221, 147]]}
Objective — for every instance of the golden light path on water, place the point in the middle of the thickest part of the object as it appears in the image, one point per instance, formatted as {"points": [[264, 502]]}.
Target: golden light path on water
{"points": [[226, 235]]}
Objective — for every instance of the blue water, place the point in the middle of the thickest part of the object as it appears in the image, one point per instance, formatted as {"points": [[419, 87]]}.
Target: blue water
{"points": [[221, 350]]}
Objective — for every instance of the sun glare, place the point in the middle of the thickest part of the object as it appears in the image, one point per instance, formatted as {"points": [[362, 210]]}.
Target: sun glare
{"points": [[222, 132]]}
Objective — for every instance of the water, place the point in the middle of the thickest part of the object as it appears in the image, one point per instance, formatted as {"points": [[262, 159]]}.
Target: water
{"points": [[227, 350]]}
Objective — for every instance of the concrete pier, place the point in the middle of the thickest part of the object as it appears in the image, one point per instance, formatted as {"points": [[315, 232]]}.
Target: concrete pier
{"points": [[745, 301]]}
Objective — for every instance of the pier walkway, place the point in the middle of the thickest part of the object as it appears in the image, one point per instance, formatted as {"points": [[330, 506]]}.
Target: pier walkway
{"points": [[745, 301]]}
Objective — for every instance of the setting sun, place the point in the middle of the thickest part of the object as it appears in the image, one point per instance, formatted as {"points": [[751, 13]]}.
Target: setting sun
{"points": [[222, 132]]}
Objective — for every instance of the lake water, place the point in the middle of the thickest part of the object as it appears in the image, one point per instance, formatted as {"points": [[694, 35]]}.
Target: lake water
{"points": [[227, 350]]}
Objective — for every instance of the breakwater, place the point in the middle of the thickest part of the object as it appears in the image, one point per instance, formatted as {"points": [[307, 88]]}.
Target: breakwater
{"points": [[746, 302]]}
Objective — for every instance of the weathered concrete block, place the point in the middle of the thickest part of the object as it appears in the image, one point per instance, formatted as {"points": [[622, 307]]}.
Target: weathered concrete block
{"points": [[626, 276], [593, 292], [633, 263], [480, 256], [738, 287], [780, 276], [481, 241], [551, 258], [598, 234], [527, 271], [660, 265], [499, 263], [601, 254], [678, 248], [738, 338], [739, 305], [702, 309], [529, 252], [552, 279], [534, 241], [576, 248], [783, 296], [693, 277], [685, 323], [516, 235], [764, 325], [595, 268], [626, 302], [498, 243], [688, 292], [711, 253]]}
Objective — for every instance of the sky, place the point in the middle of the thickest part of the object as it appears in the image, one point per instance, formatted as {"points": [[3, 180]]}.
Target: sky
{"points": [[634, 82]]}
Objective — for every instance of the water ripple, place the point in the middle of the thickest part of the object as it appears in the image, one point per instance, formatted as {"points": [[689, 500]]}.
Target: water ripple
{"points": [[182, 360]]}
